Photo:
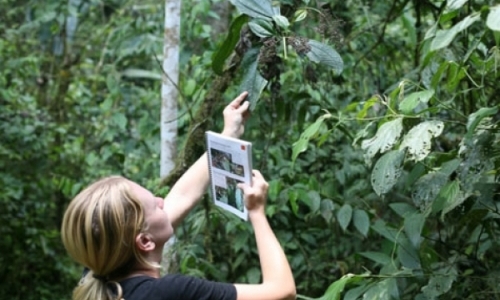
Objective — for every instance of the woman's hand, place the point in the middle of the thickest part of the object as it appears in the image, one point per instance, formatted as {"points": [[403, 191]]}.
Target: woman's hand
{"points": [[235, 115], [255, 195]]}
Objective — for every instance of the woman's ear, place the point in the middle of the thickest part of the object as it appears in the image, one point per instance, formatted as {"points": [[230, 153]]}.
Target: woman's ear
{"points": [[144, 242]]}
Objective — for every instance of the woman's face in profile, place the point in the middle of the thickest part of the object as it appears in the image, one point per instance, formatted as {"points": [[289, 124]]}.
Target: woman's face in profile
{"points": [[157, 221]]}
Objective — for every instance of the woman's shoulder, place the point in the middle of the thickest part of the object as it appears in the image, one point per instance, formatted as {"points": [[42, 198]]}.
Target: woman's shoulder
{"points": [[175, 286]]}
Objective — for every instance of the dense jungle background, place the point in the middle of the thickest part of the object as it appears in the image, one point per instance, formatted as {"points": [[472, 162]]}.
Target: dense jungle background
{"points": [[377, 126]]}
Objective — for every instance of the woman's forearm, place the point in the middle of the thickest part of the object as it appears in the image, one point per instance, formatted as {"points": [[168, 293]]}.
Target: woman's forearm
{"points": [[276, 272], [187, 191]]}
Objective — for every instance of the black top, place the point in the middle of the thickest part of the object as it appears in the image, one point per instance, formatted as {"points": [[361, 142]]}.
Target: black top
{"points": [[176, 287]]}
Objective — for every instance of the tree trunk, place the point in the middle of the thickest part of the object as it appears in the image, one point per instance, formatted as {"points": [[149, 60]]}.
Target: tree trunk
{"points": [[169, 92]]}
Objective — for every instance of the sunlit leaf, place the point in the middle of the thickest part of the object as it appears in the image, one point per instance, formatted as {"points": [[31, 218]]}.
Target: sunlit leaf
{"points": [[493, 19], [385, 138], [387, 171], [411, 101], [281, 21], [262, 9], [261, 28], [310, 132], [300, 15], [418, 139], [476, 117], [454, 4], [444, 37], [143, 74]]}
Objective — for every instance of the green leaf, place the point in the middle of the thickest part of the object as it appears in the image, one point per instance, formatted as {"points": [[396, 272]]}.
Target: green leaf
{"points": [[326, 55], [219, 57], [427, 188], [476, 117], [335, 289], [454, 4], [261, 28], [120, 120], [389, 233], [143, 74], [262, 9], [402, 209], [315, 201], [366, 106], [252, 82], [448, 198], [493, 19], [327, 207], [444, 37], [292, 199], [385, 138], [378, 257], [344, 216], [416, 172], [361, 221], [407, 254], [387, 171], [300, 15], [418, 139], [411, 101], [281, 21], [440, 282], [310, 132], [413, 226]]}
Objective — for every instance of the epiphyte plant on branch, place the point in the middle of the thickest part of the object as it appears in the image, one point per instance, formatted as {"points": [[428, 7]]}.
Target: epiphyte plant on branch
{"points": [[260, 64]]}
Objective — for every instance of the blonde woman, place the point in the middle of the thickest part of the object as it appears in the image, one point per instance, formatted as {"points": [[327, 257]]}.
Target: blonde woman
{"points": [[117, 229]]}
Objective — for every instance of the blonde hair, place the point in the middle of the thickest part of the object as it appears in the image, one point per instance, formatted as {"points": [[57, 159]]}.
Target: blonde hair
{"points": [[98, 231]]}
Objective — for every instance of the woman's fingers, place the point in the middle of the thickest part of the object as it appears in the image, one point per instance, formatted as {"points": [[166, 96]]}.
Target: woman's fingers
{"points": [[237, 101]]}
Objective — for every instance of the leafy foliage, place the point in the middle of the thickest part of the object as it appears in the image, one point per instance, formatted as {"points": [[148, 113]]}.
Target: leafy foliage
{"points": [[409, 92]]}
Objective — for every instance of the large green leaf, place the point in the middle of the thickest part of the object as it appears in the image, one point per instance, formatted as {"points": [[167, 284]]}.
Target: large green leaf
{"points": [[444, 37], [378, 257], [476, 117], [262, 9], [411, 101], [387, 171], [455, 4], [252, 82], [326, 55], [385, 138], [441, 281], [336, 288], [427, 188], [344, 216], [449, 197], [261, 28], [413, 226], [418, 139], [219, 57], [310, 132], [361, 221], [493, 19]]}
